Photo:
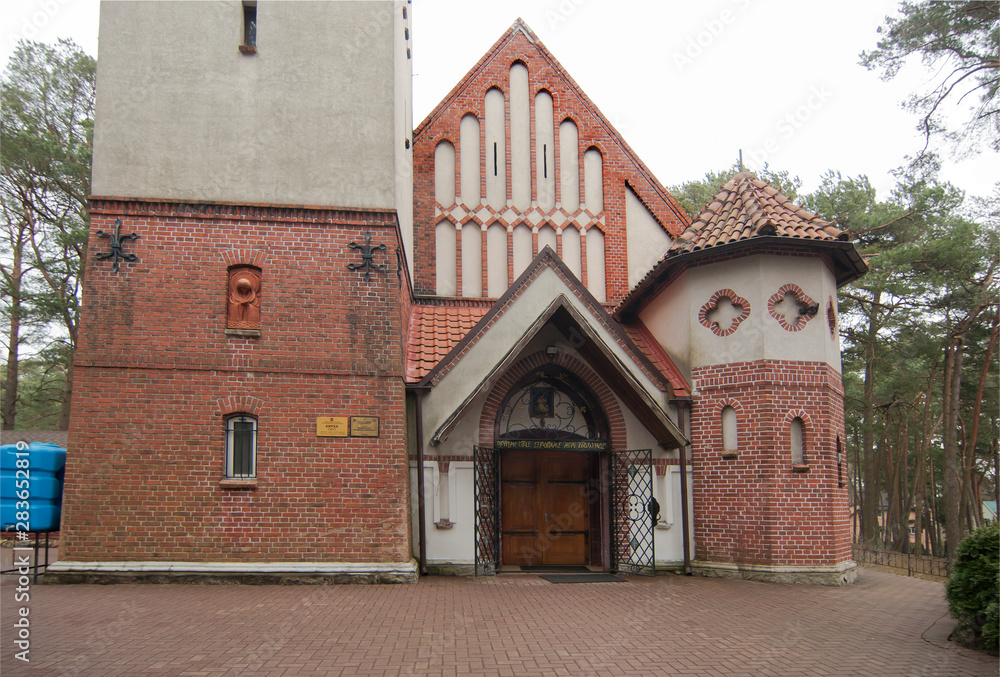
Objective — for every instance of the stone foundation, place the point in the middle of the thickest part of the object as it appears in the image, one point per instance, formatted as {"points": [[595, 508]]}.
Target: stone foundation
{"points": [[837, 574], [225, 573]]}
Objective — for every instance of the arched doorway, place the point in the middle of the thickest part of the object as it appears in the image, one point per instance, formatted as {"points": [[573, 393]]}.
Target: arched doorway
{"points": [[551, 434]]}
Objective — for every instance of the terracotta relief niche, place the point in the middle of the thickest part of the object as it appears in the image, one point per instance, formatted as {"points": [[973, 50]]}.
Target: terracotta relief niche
{"points": [[724, 312], [791, 307], [243, 299]]}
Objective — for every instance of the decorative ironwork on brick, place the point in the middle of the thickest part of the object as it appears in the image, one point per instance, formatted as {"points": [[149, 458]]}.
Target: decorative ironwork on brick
{"points": [[367, 256], [117, 242]]}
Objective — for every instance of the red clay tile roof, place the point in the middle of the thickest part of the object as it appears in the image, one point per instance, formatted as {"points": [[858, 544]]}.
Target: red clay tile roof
{"points": [[747, 207], [435, 328], [640, 335]]}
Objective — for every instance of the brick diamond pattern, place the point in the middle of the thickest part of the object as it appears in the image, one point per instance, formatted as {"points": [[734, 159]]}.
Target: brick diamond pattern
{"points": [[485, 215]]}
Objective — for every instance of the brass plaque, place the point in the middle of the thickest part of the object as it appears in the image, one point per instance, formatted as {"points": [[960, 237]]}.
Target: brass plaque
{"points": [[331, 426], [364, 426]]}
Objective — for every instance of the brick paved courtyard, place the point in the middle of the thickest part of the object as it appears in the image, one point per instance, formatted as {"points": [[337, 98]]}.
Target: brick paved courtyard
{"points": [[514, 625]]}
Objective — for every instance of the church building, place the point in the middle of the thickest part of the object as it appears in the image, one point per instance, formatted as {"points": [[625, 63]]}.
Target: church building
{"points": [[319, 343]]}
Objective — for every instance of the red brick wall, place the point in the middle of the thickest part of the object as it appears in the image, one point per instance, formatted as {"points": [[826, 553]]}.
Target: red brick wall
{"points": [[756, 508], [620, 165], [155, 374]]}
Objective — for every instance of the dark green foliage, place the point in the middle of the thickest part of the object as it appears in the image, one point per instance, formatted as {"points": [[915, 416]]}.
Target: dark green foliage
{"points": [[974, 587], [46, 132], [958, 42]]}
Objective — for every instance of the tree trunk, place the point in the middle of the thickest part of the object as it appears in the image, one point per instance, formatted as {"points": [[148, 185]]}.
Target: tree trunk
{"points": [[870, 502], [858, 490], [934, 519], [9, 413], [8, 410], [952, 485], [995, 453], [970, 479], [903, 481], [920, 472]]}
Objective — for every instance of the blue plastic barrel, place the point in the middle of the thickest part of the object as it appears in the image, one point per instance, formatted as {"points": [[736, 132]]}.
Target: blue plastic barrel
{"points": [[40, 474]]}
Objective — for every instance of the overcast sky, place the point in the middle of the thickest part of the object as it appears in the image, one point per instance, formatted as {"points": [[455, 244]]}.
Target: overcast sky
{"points": [[687, 84]]}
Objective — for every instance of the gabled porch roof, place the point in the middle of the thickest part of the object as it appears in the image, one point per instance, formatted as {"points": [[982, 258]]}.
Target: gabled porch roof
{"points": [[546, 294]]}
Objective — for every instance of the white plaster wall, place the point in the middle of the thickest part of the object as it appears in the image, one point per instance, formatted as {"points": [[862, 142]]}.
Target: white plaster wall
{"points": [[444, 173], [640, 438], [403, 113], [545, 168], [472, 260], [318, 116], [454, 496], [447, 495], [471, 160], [572, 250], [760, 336], [495, 157], [593, 181], [647, 242], [667, 316], [569, 166], [522, 254], [446, 253], [596, 277], [520, 137], [668, 535], [496, 260], [547, 238]]}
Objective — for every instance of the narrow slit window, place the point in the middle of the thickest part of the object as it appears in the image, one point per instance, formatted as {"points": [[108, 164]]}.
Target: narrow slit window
{"points": [[730, 436], [494, 158], [798, 441], [545, 161], [250, 24]]}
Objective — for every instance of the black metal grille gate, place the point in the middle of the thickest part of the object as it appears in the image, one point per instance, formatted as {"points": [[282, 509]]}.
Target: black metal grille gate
{"points": [[632, 510], [486, 466]]}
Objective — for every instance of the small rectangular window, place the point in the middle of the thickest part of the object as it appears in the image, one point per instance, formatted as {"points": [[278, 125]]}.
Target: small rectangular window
{"points": [[241, 446], [250, 26]]}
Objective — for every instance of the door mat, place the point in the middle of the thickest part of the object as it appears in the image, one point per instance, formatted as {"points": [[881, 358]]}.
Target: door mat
{"points": [[583, 578], [555, 568]]}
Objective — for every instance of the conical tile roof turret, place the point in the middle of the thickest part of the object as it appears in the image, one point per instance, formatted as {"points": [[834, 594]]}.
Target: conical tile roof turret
{"points": [[748, 207], [748, 213]]}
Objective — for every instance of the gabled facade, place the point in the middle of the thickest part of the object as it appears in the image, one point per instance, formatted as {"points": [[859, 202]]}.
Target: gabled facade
{"points": [[517, 158], [535, 360]]}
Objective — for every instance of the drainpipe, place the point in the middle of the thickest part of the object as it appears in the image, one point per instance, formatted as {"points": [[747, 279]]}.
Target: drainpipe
{"points": [[685, 517], [421, 508]]}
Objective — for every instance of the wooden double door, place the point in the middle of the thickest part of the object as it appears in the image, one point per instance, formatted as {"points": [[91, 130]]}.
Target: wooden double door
{"points": [[547, 501]]}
